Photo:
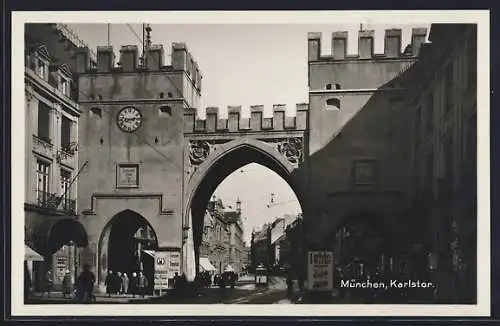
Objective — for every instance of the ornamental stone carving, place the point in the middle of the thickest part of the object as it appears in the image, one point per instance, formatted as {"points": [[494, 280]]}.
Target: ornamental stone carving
{"points": [[199, 151], [290, 148]]}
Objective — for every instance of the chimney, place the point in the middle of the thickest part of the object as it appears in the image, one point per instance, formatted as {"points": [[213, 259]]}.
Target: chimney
{"points": [[128, 57], [392, 48], [365, 44], [179, 56], [82, 60], [339, 45], [105, 58], [418, 36], [154, 58], [314, 46]]}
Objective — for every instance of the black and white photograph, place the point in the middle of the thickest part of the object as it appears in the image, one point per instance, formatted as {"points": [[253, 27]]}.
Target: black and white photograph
{"points": [[277, 163]]}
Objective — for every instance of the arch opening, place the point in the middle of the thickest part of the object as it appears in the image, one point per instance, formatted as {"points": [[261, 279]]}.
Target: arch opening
{"points": [[124, 245], [64, 232], [232, 163], [362, 245]]}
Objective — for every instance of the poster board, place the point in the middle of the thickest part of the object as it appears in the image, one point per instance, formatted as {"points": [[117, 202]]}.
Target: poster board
{"points": [[167, 263], [320, 271]]}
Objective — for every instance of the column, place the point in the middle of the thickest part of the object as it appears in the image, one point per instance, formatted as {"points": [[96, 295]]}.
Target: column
{"points": [[54, 132], [30, 130]]}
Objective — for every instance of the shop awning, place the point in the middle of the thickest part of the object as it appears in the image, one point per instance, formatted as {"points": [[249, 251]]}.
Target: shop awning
{"points": [[150, 252], [206, 265], [32, 255]]}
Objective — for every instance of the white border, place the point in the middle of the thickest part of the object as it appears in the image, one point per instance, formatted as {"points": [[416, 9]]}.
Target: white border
{"points": [[269, 17]]}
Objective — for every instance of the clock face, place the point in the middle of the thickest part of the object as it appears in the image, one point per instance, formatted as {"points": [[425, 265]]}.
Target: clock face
{"points": [[129, 119]]}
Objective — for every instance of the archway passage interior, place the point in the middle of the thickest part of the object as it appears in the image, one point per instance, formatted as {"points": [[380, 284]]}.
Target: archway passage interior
{"points": [[129, 235], [65, 231], [221, 169], [363, 245]]}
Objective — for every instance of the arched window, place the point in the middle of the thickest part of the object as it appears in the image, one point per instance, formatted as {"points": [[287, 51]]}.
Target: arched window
{"points": [[328, 86], [96, 111], [170, 95], [162, 95], [333, 104], [337, 86]]}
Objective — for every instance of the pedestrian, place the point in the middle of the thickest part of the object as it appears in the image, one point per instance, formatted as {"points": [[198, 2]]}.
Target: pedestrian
{"points": [[133, 284], [289, 282], [118, 283], [67, 284], [176, 281], [27, 281], [143, 284], [125, 283], [86, 282], [109, 283], [48, 282]]}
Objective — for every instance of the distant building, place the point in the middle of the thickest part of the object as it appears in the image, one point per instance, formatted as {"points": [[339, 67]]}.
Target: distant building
{"points": [[236, 242]]}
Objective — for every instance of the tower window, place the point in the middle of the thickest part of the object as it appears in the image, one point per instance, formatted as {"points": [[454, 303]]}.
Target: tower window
{"points": [[333, 104], [328, 86], [96, 111], [166, 110], [337, 86]]}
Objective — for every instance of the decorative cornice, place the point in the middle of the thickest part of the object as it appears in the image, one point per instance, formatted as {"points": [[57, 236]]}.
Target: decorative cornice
{"points": [[159, 196], [360, 90], [134, 101], [41, 85]]}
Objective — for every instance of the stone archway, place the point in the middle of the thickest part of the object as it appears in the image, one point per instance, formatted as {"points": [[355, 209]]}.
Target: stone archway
{"points": [[122, 244], [362, 243], [225, 160]]}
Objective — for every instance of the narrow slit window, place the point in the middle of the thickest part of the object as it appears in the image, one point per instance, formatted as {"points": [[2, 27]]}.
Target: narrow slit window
{"points": [[96, 111], [166, 110]]}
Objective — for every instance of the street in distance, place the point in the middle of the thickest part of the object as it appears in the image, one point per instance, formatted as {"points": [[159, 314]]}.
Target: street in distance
{"points": [[392, 284]]}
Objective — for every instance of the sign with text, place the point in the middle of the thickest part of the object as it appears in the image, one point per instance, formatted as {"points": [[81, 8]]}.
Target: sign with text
{"points": [[127, 176], [320, 270], [167, 263]]}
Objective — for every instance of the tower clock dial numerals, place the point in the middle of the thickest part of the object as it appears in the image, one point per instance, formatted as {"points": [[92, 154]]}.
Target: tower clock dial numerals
{"points": [[129, 119]]}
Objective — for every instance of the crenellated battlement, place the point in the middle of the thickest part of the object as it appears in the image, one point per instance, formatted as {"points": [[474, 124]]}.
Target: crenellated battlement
{"points": [[366, 41], [215, 122], [130, 60]]}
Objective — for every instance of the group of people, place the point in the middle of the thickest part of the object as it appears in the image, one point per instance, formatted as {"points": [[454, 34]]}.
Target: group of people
{"points": [[207, 280], [120, 283]]}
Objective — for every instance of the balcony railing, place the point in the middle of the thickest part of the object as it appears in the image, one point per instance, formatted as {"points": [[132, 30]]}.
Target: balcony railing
{"points": [[53, 201], [43, 145]]}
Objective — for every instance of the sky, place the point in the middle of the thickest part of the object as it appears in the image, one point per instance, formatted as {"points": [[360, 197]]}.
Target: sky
{"points": [[245, 64]]}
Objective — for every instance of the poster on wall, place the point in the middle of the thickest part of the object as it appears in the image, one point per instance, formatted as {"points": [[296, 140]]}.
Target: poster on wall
{"points": [[167, 263], [320, 270], [62, 264]]}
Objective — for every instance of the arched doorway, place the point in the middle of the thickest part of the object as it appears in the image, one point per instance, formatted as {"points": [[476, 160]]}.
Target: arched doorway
{"points": [[65, 235], [362, 245], [124, 246], [212, 173]]}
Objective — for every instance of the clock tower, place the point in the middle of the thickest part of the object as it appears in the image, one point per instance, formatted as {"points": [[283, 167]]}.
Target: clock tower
{"points": [[131, 136]]}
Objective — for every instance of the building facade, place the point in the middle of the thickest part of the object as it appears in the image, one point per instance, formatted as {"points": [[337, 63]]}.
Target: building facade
{"points": [[51, 123], [352, 94], [219, 233], [444, 159]]}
